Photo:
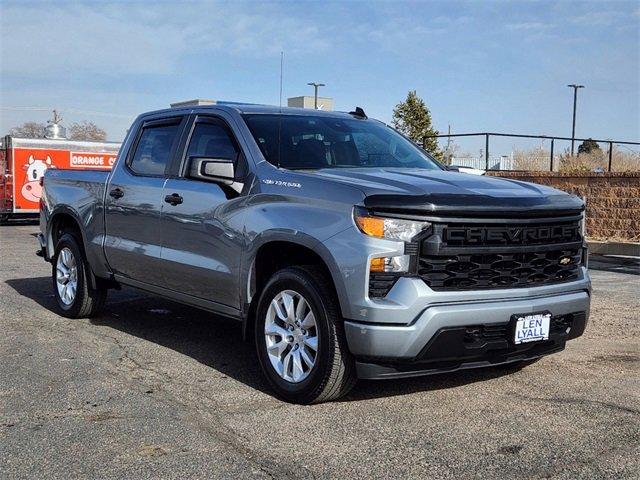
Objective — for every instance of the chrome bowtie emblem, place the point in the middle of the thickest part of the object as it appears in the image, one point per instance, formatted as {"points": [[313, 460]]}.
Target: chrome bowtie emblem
{"points": [[565, 261]]}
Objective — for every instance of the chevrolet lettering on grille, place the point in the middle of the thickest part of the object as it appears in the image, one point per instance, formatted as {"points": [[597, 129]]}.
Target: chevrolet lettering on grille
{"points": [[511, 235]]}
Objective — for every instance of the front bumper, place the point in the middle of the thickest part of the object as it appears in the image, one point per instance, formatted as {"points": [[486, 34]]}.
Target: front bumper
{"points": [[447, 337], [389, 335]]}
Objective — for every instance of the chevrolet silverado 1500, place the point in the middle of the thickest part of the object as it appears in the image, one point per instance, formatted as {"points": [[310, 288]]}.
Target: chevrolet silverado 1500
{"points": [[344, 249]]}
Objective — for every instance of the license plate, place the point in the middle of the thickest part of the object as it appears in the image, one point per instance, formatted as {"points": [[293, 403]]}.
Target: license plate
{"points": [[532, 328]]}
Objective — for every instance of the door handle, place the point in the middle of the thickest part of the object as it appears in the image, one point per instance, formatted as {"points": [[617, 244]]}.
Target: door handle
{"points": [[174, 199], [116, 193]]}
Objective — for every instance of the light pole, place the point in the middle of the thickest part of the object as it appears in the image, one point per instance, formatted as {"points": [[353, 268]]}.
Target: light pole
{"points": [[315, 92], [575, 100]]}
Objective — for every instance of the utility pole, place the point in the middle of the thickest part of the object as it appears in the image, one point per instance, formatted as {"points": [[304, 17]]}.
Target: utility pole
{"points": [[315, 92], [575, 101], [449, 137], [449, 145]]}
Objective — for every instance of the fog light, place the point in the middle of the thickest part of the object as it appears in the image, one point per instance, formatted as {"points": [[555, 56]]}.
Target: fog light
{"points": [[390, 264]]}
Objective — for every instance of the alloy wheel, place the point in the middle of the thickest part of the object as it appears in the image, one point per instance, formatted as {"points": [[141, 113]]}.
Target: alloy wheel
{"points": [[291, 336], [66, 276]]}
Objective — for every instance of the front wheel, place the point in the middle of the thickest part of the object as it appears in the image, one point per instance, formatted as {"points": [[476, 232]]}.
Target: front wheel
{"points": [[75, 296], [300, 338]]}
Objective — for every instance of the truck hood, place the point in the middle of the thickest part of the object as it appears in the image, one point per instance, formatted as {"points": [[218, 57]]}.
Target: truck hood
{"points": [[437, 191]]}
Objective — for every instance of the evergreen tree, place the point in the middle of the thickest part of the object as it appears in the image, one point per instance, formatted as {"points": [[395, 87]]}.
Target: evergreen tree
{"points": [[589, 146], [413, 119]]}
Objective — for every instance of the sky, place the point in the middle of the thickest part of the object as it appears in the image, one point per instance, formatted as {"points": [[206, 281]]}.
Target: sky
{"points": [[500, 66]]}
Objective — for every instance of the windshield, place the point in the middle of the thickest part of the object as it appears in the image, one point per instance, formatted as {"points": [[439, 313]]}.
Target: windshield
{"points": [[313, 142]]}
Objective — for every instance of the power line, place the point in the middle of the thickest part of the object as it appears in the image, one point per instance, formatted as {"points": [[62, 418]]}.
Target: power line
{"points": [[68, 110]]}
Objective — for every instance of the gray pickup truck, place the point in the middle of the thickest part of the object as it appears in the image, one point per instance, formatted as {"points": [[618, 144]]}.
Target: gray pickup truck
{"points": [[344, 249]]}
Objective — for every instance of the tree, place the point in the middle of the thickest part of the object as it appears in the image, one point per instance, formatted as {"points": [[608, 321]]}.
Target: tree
{"points": [[87, 131], [589, 146], [28, 130], [412, 118]]}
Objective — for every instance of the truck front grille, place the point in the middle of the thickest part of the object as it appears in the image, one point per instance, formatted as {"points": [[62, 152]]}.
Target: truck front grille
{"points": [[493, 256], [499, 270]]}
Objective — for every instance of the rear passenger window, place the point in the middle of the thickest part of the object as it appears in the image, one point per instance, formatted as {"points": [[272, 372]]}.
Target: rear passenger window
{"points": [[154, 149], [213, 141]]}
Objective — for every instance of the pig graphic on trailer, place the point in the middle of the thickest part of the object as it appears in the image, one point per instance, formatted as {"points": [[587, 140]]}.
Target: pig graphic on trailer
{"points": [[31, 189]]}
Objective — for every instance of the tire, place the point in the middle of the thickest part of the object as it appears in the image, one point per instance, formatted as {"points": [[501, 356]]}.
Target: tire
{"points": [[332, 374], [86, 301]]}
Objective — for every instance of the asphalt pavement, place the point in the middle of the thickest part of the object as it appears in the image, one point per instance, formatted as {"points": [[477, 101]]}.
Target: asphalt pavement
{"points": [[153, 389]]}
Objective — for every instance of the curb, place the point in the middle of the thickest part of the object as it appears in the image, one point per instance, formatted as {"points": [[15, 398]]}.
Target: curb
{"points": [[614, 248]]}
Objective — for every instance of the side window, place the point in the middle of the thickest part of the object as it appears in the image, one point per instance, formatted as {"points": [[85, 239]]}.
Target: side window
{"points": [[154, 149], [212, 140]]}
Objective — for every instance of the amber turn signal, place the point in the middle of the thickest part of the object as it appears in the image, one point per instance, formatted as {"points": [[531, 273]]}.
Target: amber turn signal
{"points": [[373, 226], [377, 265]]}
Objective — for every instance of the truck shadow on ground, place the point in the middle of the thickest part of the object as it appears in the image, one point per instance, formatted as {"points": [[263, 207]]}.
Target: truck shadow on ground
{"points": [[629, 265], [19, 221], [217, 342]]}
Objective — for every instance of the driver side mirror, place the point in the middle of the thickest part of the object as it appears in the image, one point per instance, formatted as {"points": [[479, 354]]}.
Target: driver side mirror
{"points": [[218, 170]]}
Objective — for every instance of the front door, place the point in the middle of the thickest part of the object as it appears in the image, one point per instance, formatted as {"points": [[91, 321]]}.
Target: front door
{"points": [[202, 223], [134, 202]]}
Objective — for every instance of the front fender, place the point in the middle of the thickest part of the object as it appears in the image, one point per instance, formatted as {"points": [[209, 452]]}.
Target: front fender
{"points": [[294, 237], [298, 238]]}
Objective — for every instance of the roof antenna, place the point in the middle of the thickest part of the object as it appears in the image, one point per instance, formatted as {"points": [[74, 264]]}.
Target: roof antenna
{"points": [[280, 115], [359, 112], [281, 64]]}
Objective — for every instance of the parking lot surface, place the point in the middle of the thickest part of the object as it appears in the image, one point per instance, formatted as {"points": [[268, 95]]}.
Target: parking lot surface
{"points": [[153, 389]]}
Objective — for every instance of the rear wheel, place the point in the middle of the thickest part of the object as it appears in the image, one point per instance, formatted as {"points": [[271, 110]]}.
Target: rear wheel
{"points": [[75, 296], [300, 338]]}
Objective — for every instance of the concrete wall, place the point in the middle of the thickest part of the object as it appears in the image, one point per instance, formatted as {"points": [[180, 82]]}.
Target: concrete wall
{"points": [[613, 200]]}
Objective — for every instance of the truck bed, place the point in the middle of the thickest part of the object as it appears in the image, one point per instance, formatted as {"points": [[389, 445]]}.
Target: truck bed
{"points": [[81, 194]]}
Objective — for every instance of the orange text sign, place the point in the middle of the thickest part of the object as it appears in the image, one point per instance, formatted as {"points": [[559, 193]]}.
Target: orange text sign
{"points": [[84, 160]]}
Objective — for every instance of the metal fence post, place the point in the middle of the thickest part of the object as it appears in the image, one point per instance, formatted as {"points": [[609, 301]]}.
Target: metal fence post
{"points": [[610, 154], [476, 161], [486, 150]]}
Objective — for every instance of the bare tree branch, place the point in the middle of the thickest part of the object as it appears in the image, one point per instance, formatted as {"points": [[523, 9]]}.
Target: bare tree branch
{"points": [[87, 131], [28, 130]]}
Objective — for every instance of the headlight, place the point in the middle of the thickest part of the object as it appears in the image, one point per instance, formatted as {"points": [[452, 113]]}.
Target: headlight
{"points": [[389, 228]]}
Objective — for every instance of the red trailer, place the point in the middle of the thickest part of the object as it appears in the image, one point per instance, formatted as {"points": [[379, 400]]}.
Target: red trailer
{"points": [[23, 162]]}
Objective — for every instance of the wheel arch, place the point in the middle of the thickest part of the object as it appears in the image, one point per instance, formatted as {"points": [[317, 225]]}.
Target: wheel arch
{"points": [[64, 219], [278, 250]]}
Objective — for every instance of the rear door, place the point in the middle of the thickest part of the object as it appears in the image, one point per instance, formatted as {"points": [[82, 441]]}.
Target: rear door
{"points": [[134, 201], [203, 232]]}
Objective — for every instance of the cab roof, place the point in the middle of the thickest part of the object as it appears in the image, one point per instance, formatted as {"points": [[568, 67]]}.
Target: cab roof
{"points": [[248, 108]]}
